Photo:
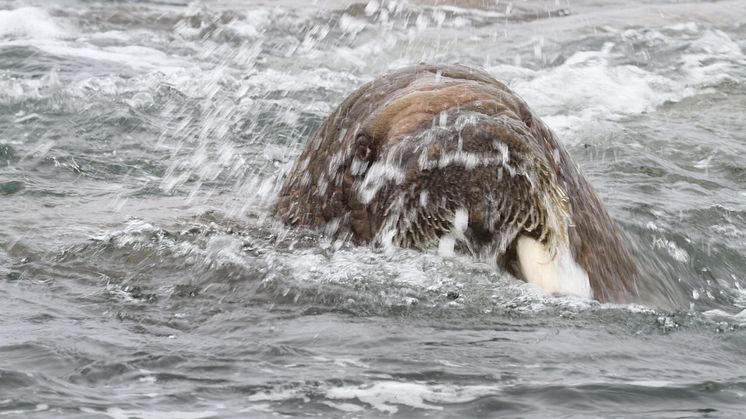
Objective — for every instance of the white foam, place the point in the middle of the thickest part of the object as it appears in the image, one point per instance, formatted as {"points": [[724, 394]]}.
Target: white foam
{"points": [[588, 87], [684, 27], [118, 413], [372, 7], [348, 266], [271, 396], [30, 22], [715, 43], [133, 56], [345, 407], [711, 59], [384, 396], [673, 249], [351, 25], [721, 315]]}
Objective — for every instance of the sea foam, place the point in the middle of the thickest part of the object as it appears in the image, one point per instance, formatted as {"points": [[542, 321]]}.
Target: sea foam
{"points": [[30, 22]]}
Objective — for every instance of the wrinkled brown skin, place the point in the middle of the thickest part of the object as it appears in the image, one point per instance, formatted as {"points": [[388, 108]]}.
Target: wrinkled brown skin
{"points": [[396, 110]]}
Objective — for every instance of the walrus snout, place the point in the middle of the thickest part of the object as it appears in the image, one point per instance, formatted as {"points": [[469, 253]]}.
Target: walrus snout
{"points": [[475, 179], [429, 152]]}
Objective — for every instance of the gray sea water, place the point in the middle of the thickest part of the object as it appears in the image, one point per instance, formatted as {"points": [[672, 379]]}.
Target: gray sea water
{"points": [[142, 274]]}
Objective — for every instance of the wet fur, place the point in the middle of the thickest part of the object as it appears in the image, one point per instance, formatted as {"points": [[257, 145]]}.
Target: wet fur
{"points": [[403, 153]]}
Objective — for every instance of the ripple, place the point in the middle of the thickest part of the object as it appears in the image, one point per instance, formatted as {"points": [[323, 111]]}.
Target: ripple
{"points": [[144, 274]]}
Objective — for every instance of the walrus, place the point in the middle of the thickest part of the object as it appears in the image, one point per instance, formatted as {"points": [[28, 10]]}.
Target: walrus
{"points": [[432, 155]]}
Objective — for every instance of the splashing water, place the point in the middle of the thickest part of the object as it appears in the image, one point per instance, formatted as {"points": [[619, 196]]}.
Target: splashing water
{"points": [[142, 273]]}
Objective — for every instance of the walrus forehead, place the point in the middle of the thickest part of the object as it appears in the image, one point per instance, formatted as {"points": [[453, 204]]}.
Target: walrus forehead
{"points": [[429, 100]]}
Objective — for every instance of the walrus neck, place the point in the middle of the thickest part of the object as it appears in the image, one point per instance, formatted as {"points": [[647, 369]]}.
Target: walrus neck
{"points": [[553, 270]]}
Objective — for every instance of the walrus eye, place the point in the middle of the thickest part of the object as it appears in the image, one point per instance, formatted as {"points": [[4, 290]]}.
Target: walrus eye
{"points": [[362, 148]]}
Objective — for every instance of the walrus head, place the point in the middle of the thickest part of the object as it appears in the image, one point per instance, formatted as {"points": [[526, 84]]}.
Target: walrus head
{"points": [[446, 154]]}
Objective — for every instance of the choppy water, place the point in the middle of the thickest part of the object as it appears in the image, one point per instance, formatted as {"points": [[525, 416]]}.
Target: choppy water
{"points": [[142, 275]]}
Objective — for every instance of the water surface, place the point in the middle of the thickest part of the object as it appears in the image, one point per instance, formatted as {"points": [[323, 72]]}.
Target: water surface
{"points": [[143, 276]]}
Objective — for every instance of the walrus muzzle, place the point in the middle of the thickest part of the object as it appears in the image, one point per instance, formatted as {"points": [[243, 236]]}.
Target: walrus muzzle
{"points": [[433, 152]]}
